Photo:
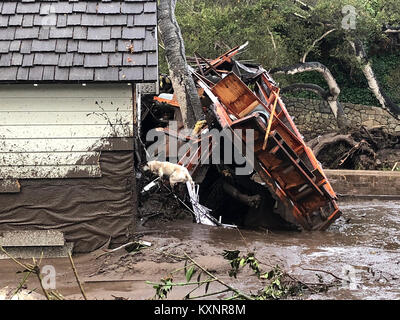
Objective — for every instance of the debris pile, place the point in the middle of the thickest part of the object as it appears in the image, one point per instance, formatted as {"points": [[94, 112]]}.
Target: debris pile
{"points": [[364, 149], [277, 181]]}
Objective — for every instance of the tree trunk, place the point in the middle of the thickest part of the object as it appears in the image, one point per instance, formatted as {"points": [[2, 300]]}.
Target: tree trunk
{"points": [[373, 82], [331, 96], [250, 201], [182, 81]]}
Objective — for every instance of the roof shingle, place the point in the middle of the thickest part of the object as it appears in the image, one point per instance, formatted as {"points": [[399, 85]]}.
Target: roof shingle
{"points": [[76, 40]]}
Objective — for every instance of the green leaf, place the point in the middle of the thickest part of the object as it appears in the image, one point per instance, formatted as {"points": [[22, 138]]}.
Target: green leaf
{"points": [[189, 273], [207, 286], [185, 269], [231, 254]]}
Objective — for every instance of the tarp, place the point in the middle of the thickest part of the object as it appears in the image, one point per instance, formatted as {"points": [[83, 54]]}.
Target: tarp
{"points": [[88, 211]]}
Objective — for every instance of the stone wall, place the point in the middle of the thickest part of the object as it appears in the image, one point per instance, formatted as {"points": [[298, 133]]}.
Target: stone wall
{"points": [[314, 117]]}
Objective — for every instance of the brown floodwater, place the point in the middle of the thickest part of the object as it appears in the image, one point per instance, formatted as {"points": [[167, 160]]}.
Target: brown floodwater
{"points": [[363, 247]]}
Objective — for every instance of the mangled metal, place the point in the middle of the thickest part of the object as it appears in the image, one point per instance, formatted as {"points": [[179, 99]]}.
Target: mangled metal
{"points": [[239, 96]]}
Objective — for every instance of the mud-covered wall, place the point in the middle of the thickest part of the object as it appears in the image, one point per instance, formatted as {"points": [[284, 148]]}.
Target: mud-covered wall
{"points": [[66, 161], [360, 182], [314, 117], [57, 130], [88, 211]]}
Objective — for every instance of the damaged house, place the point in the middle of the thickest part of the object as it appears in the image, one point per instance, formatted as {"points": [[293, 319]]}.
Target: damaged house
{"points": [[70, 72]]}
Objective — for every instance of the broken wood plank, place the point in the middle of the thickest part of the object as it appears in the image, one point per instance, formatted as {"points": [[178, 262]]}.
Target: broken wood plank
{"points": [[65, 118], [50, 172], [10, 186], [32, 238], [65, 131], [49, 158], [62, 145]]}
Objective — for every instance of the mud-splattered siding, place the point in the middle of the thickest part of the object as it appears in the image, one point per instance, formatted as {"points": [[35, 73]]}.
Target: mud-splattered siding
{"points": [[58, 131], [87, 211]]}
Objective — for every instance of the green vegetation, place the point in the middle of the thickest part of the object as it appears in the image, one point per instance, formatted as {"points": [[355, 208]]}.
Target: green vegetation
{"points": [[275, 284], [278, 36]]}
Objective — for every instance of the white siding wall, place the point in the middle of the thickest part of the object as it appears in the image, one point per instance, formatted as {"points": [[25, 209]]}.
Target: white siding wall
{"points": [[58, 131]]}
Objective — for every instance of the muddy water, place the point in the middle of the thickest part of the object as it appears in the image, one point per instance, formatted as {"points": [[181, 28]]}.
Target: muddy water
{"points": [[365, 242], [362, 248]]}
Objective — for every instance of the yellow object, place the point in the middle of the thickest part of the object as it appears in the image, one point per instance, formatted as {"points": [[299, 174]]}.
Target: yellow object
{"points": [[197, 128], [271, 118]]}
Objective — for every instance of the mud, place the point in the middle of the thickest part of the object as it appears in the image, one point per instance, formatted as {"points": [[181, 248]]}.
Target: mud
{"points": [[365, 241]]}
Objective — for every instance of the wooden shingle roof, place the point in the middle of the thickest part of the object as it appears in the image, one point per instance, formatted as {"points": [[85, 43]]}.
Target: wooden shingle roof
{"points": [[75, 40]]}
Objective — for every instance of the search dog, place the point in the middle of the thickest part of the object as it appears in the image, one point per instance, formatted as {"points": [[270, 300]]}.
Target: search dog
{"points": [[175, 172]]}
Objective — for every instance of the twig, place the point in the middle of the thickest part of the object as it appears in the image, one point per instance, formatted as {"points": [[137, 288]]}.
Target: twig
{"points": [[37, 272], [241, 294], [76, 276], [57, 295], [123, 246], [208, 294], [184, 284], [324, 271], [307, 285], [243, 238], [183, 268], [26, 276], [26, 266], [30, 268]]}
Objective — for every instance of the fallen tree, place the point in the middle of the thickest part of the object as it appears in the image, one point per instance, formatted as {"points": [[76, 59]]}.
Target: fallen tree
{"points": [[370, 149]]}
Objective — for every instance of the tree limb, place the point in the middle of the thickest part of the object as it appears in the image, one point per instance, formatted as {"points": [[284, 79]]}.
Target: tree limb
{"points": [[391, 29], [303, 60], [273, 44], [307, 87], [251, 201], [318, 144], [304, 6], [385, 101], [334, 90]]}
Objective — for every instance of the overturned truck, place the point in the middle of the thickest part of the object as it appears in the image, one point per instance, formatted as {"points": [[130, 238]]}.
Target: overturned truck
{"points": [[286, 186]]}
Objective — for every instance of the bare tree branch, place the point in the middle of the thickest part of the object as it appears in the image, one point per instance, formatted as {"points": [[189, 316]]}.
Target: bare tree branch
{"points": [[303, 60], [334, 89], [391, 29], [304, 6], [385, 101], [307, 87], [273, 44]]}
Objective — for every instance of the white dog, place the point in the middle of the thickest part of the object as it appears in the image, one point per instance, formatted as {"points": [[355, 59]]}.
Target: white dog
{"points": [[175, 172]]}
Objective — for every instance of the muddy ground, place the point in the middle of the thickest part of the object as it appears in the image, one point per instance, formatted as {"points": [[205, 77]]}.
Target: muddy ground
{"points": [[365, 240]]}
